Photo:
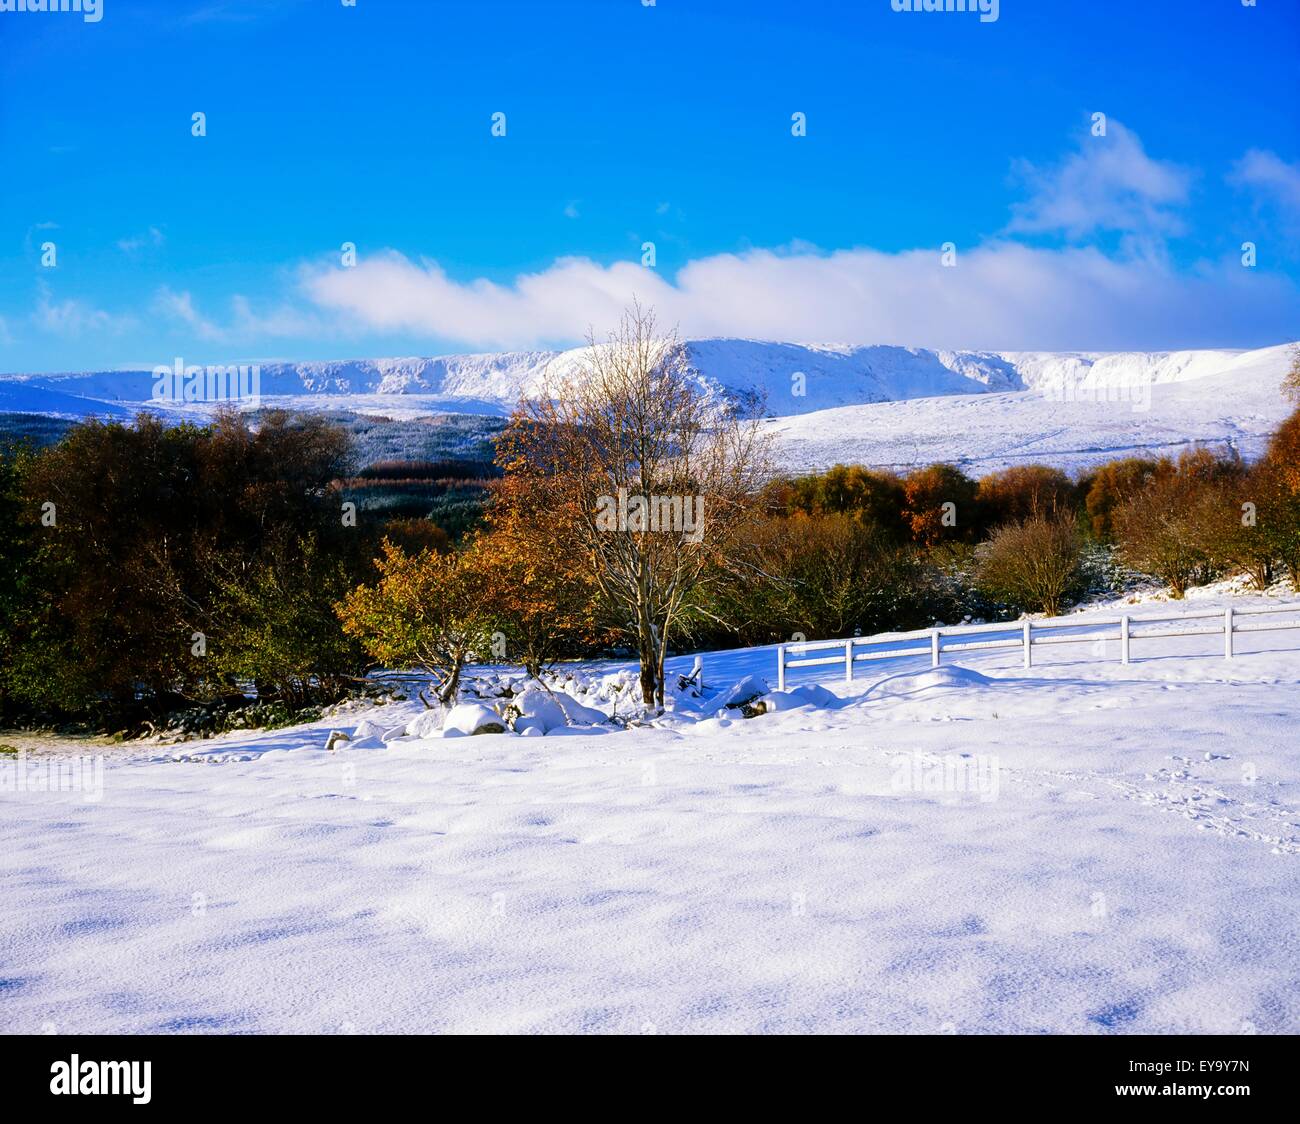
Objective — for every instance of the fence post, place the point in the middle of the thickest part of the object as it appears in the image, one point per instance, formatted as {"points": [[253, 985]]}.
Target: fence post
{"points": [[780, 667], [1029, 659], [934, 647], [848, 660], [1227, 633], [1123, 639]]}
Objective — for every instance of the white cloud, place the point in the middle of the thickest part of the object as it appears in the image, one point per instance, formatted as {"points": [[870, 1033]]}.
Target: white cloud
{"points": [[37, 234], [571, 210], [152, 237], [245, 323], [74, 318], [180, 306], [236, 11], [1109, 184], [1272, 178], [1000, 295], [283, 321]]}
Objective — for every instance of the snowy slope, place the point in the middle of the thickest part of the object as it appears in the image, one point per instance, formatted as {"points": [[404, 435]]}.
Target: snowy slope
{"points": [[831, 375], [1081, 415], [1136, 870], [23, 397], [876, 405]]}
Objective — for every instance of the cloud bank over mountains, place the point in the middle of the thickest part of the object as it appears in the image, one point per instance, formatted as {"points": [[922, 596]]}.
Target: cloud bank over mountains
{"points": [[1001, 293], [1083, 263]]}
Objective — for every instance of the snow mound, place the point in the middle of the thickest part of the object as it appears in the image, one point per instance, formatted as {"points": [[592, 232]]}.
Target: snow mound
{"points": [[898, 686], [747, 690], [536, 708], [472, 718], [576, 713], [426, 725], [810, 694], [367, 735]]}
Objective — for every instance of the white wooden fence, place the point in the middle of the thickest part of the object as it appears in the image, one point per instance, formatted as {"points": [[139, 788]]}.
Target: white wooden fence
{"points": [[1027, 635]]}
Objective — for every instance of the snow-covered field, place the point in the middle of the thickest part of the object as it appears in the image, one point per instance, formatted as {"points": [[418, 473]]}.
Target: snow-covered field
{"points": [[884, 406], [1236, 404], [1125, 858]]}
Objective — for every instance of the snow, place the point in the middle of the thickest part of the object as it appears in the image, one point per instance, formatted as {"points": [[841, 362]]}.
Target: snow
{"points": [[901, 686], [1232, 401], [835, 866], [472, 718], [22, 397], [808, 694], [538, 709], [748, 689], [876, 405]]}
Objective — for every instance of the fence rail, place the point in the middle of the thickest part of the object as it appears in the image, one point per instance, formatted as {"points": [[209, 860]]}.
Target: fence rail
{"points": [[1027, 635]]}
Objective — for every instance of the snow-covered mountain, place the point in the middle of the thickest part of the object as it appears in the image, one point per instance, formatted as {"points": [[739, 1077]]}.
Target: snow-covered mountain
{"points": [[875, 404], [1080, 411], [794, 378]]}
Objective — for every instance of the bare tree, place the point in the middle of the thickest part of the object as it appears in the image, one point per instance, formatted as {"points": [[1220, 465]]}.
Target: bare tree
{"points": [[640, 476]]}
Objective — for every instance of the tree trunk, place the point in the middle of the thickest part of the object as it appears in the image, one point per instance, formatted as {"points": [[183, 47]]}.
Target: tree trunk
{"points": [[450, 685], [647, 681], [647, 649]]}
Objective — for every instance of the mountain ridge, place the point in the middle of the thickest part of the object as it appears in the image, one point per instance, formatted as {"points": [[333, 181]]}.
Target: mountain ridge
{"points": [[833, 375]]}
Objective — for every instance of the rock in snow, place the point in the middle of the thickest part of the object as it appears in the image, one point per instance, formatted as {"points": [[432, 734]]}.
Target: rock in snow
{"points": [[367, 735], [576, 713], [746, 691], [426, 725], [810, 694], [472, 718], [534, 707]]}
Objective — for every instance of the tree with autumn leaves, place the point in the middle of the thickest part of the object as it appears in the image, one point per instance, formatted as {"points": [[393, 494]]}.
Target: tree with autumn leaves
{"points": [[425, 611], [497, 598], [625, 485], [1291, 383], [608, 463], [551, 574], [939, 504], [508, 594], [541, 601]]}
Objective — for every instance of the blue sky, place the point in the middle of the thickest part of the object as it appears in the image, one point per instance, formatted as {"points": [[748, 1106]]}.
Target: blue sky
{"points": [[628, 124]]}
